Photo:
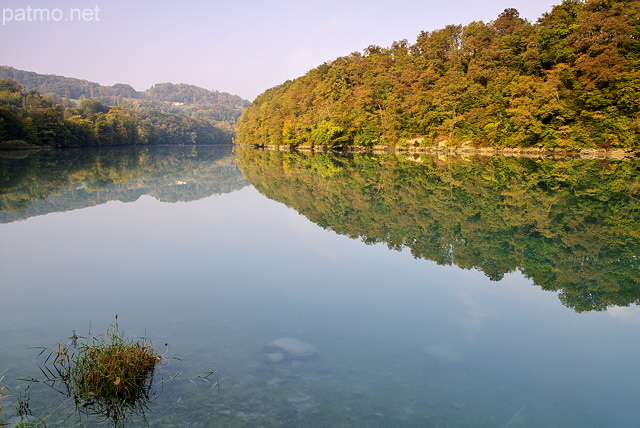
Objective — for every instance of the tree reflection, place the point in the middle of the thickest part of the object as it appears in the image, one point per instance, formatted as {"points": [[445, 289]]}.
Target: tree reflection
{"points": [[63, 180], [569, 225]]}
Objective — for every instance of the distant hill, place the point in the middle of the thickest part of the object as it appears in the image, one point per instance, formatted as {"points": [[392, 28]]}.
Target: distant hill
{"points": [[193, 101], [29, 119], [190, 94], [68, 87]]}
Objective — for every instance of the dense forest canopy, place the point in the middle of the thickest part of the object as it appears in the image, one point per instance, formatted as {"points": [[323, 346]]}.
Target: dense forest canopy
{"points": [[572, 79], [571, 226], [26, 115]]}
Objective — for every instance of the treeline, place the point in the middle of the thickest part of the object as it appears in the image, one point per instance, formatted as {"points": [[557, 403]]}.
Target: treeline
{"points": [[220, 108], [571, 226], [39, 120], [572, 79]]}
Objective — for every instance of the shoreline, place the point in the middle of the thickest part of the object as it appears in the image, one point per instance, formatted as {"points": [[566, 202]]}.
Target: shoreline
{"points": [[523, 152], [20, 146]]}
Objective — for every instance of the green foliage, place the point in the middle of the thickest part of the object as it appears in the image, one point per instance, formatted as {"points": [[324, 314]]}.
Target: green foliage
{"points": [[570, 80], [11, 127], [325, 134], [88, 106], [39, 120], [571, 226]]}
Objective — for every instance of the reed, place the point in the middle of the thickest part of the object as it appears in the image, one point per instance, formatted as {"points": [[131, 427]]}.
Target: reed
{"points": [[3, 393]]}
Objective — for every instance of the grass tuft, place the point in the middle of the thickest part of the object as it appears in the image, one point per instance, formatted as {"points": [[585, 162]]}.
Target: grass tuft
{"points": [[106, 375], [115, 369]]}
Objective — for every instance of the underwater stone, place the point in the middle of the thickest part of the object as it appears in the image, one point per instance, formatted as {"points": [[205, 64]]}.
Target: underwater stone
{"points": [[274, 357], [290, 348]]}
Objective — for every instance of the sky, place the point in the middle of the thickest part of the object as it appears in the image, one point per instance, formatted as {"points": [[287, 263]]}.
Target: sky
{"points": [[237, 46]]}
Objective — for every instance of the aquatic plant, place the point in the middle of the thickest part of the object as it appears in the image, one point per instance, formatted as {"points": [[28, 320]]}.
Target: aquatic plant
{"points": [[106, 375]]}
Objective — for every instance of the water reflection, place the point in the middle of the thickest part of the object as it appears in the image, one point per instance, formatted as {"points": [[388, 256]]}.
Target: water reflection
{"points": [[400, 341], [569, 225], [63, 180]]}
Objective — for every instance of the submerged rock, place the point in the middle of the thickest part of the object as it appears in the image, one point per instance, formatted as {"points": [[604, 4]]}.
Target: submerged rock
{"points": [[290, 349], [274, 357]]}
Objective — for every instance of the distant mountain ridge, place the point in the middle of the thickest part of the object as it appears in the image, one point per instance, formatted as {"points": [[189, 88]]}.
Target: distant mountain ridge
{"points": [[77, 88], [181, 98], [62, 86]]}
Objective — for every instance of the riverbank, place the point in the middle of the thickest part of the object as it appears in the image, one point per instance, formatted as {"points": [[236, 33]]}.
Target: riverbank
{"points": [[15, 145], [525, 152]]}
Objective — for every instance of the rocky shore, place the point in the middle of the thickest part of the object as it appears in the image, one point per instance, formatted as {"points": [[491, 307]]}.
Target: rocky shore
{"points": [[468, 150]]}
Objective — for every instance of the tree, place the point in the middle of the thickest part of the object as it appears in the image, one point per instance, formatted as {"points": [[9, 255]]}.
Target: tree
{"points": [[11, 128], [88, 107]]}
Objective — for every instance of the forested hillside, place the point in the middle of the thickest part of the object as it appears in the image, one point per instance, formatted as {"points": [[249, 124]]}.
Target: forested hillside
{"points": [[27, 116], [69, 87], [572, 79], [220, 108]]}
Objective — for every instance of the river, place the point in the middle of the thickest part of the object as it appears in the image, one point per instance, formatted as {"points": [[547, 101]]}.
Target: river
{"points": [[466, 292]]}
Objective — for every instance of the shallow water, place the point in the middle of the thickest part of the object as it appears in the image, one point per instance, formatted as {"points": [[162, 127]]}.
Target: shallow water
{"points": [[401, 341]]}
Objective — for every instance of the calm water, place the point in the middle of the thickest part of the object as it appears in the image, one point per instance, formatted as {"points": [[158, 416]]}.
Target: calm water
{"points": [[188, 251]]}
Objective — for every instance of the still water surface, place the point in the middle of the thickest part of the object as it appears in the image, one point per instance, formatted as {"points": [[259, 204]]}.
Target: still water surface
{"points": [[402, 341]]}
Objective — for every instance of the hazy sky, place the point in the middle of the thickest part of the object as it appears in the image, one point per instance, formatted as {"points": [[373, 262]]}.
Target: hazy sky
{"points": [[237, 46]]}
